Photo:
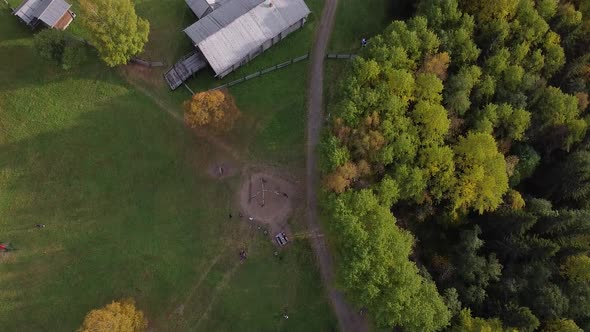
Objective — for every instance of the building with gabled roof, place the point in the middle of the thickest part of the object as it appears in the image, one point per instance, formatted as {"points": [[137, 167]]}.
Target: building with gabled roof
{"points": [[230, 33], [51, 13], [204, 7]]}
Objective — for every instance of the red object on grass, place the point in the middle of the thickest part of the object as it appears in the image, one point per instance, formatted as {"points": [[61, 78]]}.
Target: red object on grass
{"points": [[3, 247]]}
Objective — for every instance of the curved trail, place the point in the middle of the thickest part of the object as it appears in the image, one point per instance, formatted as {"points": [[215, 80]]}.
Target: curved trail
{"points": [[348, 318]]}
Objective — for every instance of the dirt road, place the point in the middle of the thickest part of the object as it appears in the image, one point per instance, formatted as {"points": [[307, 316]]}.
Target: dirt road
{"points": [[348, 317]]}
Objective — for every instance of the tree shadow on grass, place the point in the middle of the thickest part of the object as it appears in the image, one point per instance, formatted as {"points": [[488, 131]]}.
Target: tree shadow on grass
{"points": [[124, 215], [22, 67]]}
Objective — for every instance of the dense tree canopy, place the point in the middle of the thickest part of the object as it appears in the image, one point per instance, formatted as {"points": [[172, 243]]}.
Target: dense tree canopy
{"points": [[375, 269], [454, 121]]}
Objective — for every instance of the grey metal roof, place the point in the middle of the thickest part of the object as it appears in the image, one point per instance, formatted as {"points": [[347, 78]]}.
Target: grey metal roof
{"points": [[233, 42], [53, 12], [219, 19], [26, 10], [47, 11], [199, 7]]}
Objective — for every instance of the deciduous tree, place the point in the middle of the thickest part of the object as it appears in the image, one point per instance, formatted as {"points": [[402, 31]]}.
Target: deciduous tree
{"points": [[375, 269], [482, 179], [466, 323], [115, 317], [577, 268], [114, 29], [216, 109], [562, 325]]}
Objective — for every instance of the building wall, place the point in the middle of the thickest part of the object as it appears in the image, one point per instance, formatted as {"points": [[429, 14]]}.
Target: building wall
{"points": [[266, 45]]}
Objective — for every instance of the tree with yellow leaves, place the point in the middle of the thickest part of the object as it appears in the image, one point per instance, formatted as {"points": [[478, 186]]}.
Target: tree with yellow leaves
{"points": [[114, 29], [216, 109], [115, 317]]}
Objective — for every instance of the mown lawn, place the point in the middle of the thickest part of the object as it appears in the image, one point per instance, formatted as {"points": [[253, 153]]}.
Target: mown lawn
{"points": [[128, 210]]}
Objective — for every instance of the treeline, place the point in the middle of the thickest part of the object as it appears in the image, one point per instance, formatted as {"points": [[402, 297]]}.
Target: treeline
{"points": [[468, 123]]}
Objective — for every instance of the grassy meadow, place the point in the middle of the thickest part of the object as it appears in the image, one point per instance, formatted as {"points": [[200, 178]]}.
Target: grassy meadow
{"points": [[95, 155]]}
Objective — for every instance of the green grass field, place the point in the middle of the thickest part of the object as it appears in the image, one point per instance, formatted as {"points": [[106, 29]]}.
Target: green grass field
{"points": [[129, 211]]}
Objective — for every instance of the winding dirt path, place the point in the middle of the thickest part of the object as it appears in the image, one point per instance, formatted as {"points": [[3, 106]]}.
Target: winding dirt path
{"points": [[348, 317]]}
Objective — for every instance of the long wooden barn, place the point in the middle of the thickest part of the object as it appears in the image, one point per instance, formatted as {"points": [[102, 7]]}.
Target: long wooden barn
{"points": [[230, 33]]}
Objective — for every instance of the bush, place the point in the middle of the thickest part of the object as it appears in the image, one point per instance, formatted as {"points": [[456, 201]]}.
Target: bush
{"points": [[56, 46]]}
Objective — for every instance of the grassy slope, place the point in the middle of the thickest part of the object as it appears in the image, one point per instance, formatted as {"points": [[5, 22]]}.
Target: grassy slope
{"points": [[127, 214]]}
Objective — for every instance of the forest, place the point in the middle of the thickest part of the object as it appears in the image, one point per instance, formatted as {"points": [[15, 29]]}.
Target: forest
{"points": [[456, 169]]}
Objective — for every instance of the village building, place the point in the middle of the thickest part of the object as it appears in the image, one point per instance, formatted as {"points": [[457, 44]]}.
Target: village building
{"points": [[230, 33], [54, 14], [204, 7]]}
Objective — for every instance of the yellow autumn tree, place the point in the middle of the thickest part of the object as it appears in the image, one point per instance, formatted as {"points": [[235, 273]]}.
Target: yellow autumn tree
{"points": [[216, 109], [115, 317], [340, 179], [114, 29], [437, 64]]}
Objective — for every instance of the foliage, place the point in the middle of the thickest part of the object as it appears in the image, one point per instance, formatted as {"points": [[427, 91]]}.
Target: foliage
{"points": [[474, 106], [374, 267], [528, 160], [514, 200], [344, 175], [115, 29], [503, 120], [556, 110], [466, 323], [561, 325], [437, 64], [530, 243], [451, 298], [572, 182], [116, 317], [215, 108], [490, 10], [474, 271], [482, 179], [56, 46], [577, 268], [520, 318], [459, 89]]}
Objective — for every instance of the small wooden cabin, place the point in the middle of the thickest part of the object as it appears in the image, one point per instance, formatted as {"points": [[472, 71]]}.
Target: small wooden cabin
{"points": [[54, 14]]}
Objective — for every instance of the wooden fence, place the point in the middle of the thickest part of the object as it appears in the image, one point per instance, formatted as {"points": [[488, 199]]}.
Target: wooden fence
{"points": [[263, 72], [147, 63], [340, 56], [279, 66]]}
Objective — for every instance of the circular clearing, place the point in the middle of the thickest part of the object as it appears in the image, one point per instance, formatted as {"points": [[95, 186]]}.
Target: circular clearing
{"points": [[267, 199]]}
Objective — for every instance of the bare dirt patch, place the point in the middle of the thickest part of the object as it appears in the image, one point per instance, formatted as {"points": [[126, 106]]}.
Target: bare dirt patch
{"points": [[150, 75], [268, 199]]}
